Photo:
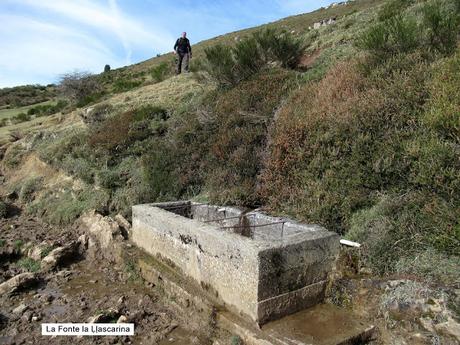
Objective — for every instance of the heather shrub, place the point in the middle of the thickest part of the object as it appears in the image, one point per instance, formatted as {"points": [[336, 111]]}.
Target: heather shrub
{"points": [[338, 141], [443, 110], [401, 226]]}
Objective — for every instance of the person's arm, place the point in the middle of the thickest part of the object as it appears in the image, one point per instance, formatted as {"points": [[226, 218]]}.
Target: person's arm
{"points": [[175, 46], [189, 48]]}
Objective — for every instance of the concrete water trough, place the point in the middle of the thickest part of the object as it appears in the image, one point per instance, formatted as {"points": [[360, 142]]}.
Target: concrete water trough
{"points": [[258, 266]]}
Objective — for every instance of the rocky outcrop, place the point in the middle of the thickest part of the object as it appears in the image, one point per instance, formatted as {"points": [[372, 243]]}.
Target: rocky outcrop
{"points": [[18, 282], [59, 256], [105, 235]]}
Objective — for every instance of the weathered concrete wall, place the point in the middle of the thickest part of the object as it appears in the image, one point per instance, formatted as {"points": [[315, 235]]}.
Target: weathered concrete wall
{"points": [[267, 273]]}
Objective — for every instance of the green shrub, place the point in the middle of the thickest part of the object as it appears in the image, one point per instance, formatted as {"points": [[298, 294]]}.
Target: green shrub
{"points": [[280, 46], [29, 188], [109, 179], [393, 8], [442, 27], [220, 64], [432, 266], [401, 226], [160, 72], [399, 34], [123, 85], [21, 117], [2, 242], [64, 207], [248, 58], [3, 209], [435, 166], [14, 156], [229, 66], [18, 244]]}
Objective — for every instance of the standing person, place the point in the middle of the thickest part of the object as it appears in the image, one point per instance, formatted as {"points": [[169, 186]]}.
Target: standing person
{"points": [[184, 53]]}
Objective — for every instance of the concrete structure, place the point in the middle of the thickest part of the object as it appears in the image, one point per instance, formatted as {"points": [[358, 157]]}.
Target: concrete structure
{"points": [[258, 266]]}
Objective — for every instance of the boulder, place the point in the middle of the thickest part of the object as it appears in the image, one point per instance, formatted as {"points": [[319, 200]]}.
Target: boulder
{"points": [[104, 229], [18, 282], [59, 256]]}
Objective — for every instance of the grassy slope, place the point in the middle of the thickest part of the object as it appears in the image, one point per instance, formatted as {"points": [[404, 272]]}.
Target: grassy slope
{"points": [[7, 113], [348, 148]]}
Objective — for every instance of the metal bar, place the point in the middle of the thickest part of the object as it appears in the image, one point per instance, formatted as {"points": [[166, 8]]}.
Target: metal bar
{"points": [[254, 226], [222, 219]]}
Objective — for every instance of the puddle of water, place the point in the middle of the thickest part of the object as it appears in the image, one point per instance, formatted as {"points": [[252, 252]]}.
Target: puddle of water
{"points": [[320, 325]]}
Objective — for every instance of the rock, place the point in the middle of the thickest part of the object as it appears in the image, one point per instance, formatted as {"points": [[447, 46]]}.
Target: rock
{"points": [[96, 319], [125, 226], [59, 256], [36, 252], [83, 242], [121, 300], [122, 319], [20, 309], [106, 316], [27, 316], [18, 282], [104, 229], [449, 328], [37, 317]]}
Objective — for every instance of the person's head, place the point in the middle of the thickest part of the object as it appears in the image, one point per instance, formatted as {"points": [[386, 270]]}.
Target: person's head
{"points": [[184, 34]]}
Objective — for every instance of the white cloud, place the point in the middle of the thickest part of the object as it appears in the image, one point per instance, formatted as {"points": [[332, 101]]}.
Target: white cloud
{"points": [[39, 51], [109, 18]]}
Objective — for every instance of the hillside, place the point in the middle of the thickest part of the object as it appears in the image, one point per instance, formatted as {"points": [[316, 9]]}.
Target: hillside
{"points": [[359, 134]]}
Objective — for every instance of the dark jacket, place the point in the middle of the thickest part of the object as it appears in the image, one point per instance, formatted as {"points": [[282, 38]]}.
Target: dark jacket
{"points": [[183, 46]]}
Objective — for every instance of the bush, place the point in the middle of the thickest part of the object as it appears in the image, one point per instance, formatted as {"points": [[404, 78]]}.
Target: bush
{"points": [[79, 88], [229, 66], [160, 72], [248, 58], [399, 227], [393, 8], [398, 34], [337, 142], [123, 85], [220, 64], [29, 188], [442, 27], [280, 46], [116, 133], [21, 117], [66, 206]]}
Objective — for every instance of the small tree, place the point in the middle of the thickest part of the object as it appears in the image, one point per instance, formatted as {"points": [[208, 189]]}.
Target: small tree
{"points": [[107, 68], [78, 87]]}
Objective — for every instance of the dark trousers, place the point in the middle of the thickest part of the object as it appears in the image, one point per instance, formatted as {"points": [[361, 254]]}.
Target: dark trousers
{"points": [[182, 58]]}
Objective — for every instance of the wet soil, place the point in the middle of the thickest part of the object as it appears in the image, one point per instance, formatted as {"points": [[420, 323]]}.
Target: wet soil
{"points": [[76, 293]]}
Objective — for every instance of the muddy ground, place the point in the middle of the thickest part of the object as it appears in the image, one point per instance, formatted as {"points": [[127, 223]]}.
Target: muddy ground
{"points": [[79, 290]]}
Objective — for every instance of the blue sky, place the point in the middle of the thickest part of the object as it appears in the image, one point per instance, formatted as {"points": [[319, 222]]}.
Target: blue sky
{"points": [[41, 39]]}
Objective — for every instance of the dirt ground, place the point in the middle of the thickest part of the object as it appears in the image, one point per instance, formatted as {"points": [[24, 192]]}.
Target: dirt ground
{"points": [[75, 293]]}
